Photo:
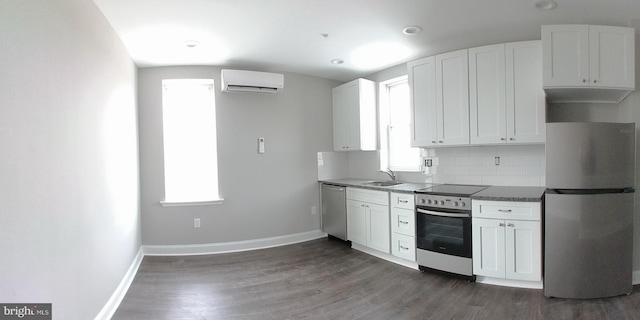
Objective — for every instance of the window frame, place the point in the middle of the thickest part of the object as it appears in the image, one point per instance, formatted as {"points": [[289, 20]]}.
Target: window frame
{"points": [[385, 126], [214, 197]]}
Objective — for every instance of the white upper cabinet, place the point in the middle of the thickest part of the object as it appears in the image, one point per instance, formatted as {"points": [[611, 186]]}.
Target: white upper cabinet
{"points": [[440, 100], [585, 63], [506, 100], [422, 82], [487, 97], [354, 116], [452, 98]]}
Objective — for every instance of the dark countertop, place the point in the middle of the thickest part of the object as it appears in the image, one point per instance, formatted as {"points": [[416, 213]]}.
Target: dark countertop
{"points": [[515, 194], [404, 187]]}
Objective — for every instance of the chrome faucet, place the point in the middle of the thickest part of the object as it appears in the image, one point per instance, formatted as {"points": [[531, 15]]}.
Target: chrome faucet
{"points": [[390, 173]]}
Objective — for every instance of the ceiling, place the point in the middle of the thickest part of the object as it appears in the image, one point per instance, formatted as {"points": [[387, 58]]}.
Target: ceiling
{"points": [[303, 36]]}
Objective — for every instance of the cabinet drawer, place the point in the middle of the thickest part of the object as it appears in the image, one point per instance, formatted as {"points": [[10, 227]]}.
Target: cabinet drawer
{"points": [[506, 210], [402, 200], [403, 246], [370, 196], [403, 221]]}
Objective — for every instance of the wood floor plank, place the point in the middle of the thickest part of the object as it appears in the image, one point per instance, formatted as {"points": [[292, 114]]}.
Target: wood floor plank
{"points": [[325, 279]]}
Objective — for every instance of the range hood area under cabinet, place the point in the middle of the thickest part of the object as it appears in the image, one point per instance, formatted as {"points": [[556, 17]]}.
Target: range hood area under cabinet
{"points": [[587, 63], [479, 96]]}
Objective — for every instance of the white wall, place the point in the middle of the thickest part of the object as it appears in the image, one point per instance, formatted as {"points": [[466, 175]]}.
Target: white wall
{"points": [[265, 195], [69, 205]]}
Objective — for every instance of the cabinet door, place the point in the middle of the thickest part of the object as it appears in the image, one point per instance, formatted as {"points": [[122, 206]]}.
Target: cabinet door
{"points": [[611, 55], [488, 247], [356, 222], [452, 98], [487, 85], [342, 96], [378, 227], [523, 250], [422, 85], [565, 55], [525, 102]]}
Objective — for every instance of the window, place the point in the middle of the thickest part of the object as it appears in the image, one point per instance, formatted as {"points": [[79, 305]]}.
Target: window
{"points": [[190, 148], [395, 128]]}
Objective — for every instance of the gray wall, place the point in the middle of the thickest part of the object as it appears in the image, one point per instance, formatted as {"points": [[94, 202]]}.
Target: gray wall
{"points": [[69, 204], [265, 195]]}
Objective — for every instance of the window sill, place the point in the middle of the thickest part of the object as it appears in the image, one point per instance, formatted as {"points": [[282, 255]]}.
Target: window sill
{"points": [[190, 203]]}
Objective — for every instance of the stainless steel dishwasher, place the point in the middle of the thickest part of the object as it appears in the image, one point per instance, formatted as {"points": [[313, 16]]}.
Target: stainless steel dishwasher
{"points": [[334, 210]]}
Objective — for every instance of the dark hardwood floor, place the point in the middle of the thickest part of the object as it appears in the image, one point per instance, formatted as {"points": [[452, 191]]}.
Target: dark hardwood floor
{"points": [[325, 279]]}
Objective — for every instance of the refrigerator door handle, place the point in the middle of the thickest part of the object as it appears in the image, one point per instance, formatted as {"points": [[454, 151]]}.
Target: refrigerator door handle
{"points": [[593, 191]]}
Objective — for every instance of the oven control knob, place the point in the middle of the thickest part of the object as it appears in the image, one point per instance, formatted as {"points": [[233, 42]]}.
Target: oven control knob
{"points": [[455, 203], [462, 204], [441, 202]]}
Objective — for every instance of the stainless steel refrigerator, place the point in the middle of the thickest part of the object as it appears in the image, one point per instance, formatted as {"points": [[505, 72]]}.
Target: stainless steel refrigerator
{"points": [[588, 235]]}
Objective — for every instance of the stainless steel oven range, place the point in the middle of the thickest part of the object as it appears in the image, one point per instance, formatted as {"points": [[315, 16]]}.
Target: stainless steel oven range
{"points": [[443, 229]]}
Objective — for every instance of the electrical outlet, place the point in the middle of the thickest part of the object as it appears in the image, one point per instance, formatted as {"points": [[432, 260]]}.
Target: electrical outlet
{"points": [[314, 210], [196, 223]]}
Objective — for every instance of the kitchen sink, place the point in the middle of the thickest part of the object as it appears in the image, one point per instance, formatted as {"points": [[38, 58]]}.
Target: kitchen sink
{"points": [[382, 183]]}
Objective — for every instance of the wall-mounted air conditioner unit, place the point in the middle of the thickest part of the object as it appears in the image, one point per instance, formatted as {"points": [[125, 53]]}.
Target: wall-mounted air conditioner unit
{"points": [[251, 81]]}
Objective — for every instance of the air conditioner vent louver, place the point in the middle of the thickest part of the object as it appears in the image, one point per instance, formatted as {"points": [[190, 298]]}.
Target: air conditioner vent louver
{"points": [[251, 81]]}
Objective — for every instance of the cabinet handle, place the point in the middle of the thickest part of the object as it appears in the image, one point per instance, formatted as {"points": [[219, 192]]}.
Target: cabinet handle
{"points": [[510, 225], [440, 141], [594, 80], [403, 201], [404, 248], [501, 224], [512, 139], [504, 210], [502, 139], [584, 80], [433, 141], [404, 222]]}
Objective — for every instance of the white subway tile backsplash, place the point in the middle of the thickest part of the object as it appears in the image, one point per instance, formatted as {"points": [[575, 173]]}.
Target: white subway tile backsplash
{"points": [[468, 161], [456, 170], [504, 170], [483, 170], [468, 179], [518, 166], [525, 181], [535, 170], [489, 161], [496, 180]]}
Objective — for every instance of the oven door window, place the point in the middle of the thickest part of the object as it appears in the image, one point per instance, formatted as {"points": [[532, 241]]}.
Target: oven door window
{"points": [[444, 234]]}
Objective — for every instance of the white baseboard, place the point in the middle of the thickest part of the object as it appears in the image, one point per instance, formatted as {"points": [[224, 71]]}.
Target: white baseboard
{"points": [[234, 246], [385, 256], [112, 304], [509, 283]]}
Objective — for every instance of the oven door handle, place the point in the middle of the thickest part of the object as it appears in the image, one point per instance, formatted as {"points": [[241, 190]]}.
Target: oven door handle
{"points": [[444, 214]]}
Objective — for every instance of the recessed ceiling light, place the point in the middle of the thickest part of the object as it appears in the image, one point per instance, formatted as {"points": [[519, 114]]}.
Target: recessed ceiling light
{"points": [[337, 61], [192, 43], [544, 4], [411, 30]]}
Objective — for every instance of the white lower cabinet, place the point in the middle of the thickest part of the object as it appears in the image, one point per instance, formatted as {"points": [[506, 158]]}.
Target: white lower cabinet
{"points": [[507, 240], [403, 226], [368, 218]]}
